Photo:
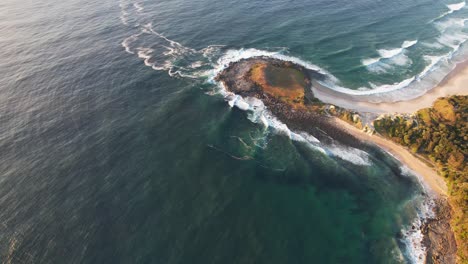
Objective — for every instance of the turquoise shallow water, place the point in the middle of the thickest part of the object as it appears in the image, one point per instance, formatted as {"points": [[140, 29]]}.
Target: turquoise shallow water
{"points": [[106, 160]]}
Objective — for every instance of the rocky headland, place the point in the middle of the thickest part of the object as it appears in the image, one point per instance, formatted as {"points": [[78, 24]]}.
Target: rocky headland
{"points": [[285, 88]]}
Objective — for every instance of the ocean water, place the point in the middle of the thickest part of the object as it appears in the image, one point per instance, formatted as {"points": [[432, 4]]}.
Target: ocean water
{"points": [[118, 147]]}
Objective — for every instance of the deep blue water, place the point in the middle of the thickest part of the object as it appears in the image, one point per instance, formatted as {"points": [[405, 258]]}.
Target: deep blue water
{"points": [[106, 160]]}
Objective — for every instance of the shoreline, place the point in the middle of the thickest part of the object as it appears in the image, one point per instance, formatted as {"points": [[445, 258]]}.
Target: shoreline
{"points": [[452, 84], [427, 175], [438, 237], [236, 77], [308, 113]]}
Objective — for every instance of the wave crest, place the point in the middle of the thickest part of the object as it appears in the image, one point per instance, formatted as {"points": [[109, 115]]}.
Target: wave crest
{"points": [[389, 53]]}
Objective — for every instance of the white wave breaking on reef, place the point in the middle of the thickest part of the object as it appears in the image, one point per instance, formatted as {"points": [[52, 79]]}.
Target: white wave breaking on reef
{"points": [[413, 235], [258, 113], [237, 55]]}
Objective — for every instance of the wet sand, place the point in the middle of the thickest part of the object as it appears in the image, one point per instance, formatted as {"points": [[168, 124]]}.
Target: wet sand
{"points": [[455, 83], [428, 176]]}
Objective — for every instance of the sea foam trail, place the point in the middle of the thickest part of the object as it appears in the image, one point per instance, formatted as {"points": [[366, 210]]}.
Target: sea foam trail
{"points": [[163, 54], [159, 52]]}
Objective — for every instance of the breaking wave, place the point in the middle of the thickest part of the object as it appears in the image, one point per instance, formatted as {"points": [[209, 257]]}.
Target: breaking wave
{"points": [[413, 235], [389, 53], [456, 7], [258, 113], [451, 9]]}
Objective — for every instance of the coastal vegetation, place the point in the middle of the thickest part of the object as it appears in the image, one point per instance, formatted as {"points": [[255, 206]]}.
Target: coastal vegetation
{"points": [[440, 135]]}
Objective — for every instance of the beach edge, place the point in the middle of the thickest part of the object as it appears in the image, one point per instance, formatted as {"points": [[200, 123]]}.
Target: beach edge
{"points": [[438, 236]]}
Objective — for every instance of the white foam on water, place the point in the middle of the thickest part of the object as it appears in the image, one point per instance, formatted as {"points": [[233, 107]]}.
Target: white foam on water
{"points": [[453, 40], [197, 64], [451, 9], [409, 43], [163, 54], [370, 61], [412, 235], [386, 54], [401, 60], [389, 53], [450, 24], [128, 11], [309, 138], [123, 13], [456, 7], [452, 36], [353, 155], [386, 88], [126, 43], [433, 45], [139, 7], [237, 55], [434, 60], [257, 113]]}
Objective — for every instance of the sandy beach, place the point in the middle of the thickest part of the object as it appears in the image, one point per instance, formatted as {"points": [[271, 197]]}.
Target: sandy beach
{"points": [[428, 176], [439, 239], [455, 83]]}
